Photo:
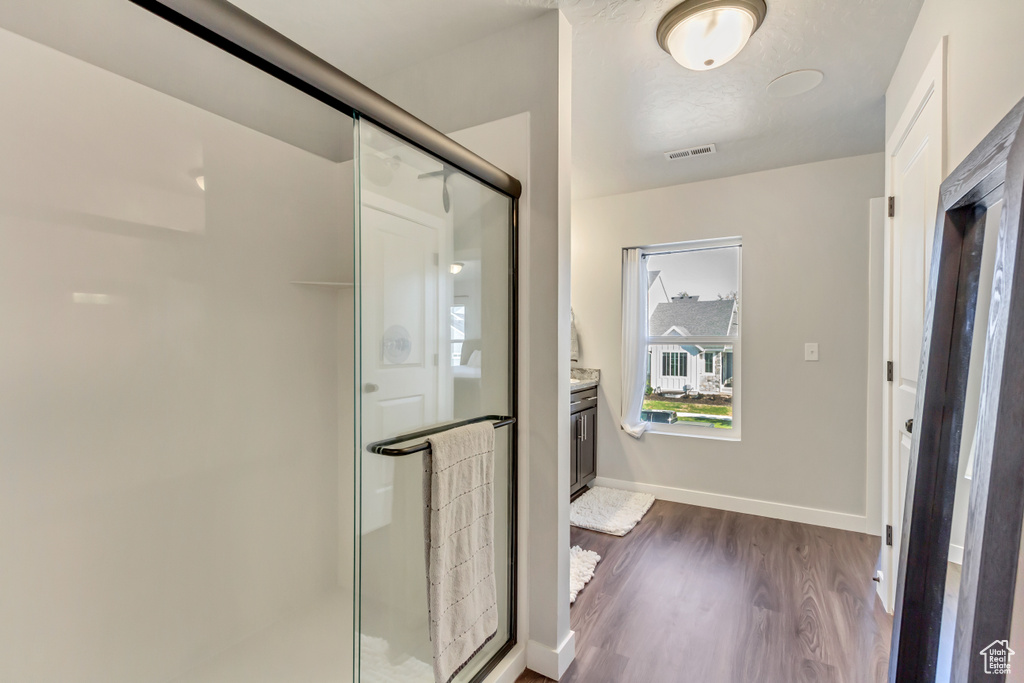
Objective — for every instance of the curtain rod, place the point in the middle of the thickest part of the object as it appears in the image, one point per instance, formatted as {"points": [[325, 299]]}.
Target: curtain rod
{"points": [[233, 30]]}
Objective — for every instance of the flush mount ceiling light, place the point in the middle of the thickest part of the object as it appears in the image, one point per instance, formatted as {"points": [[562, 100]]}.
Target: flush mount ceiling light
{"points": [[705, 34], [455, 268]]}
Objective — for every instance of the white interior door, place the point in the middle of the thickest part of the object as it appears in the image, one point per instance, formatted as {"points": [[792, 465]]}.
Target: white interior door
{"points": [[915, 169], [401, 328]]}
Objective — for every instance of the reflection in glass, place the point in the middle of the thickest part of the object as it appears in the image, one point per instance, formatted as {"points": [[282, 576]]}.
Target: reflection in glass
{"points": [[433, 261], [458, 332]]}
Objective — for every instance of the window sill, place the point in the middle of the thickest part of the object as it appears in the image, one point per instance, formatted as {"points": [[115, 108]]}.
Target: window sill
{"points": [[694, 432]]}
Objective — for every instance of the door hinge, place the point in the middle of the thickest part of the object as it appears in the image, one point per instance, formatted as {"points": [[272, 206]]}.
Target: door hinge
{"points": [[888, 370], [888, 534], [892, 207]]}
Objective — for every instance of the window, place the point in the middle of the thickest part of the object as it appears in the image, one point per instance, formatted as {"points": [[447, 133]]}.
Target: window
{"points": [[693, 312], [458, 333], [674, 364], [727, 367]]}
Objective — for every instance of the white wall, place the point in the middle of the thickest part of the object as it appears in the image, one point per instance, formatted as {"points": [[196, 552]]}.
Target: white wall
{"points": [[525, 69], [805, 233], [984, 74], [170, 408], [984, 80], [128, 40]]}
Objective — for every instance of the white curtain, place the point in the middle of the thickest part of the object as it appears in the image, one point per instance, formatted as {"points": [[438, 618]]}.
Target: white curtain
{"points": [[634, 340]]}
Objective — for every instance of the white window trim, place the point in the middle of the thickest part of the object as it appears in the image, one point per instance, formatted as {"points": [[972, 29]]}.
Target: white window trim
{"points": [[683, 429]]}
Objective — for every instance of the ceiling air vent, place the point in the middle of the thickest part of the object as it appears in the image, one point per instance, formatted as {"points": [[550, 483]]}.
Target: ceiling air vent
{"points": [[690, 152]]}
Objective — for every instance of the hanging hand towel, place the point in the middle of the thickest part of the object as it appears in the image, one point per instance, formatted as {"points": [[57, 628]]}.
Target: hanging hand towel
{"points": [[458, 488]]}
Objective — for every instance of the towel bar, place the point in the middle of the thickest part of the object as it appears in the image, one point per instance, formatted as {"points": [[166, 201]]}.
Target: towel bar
{"points": [[381, 447]]}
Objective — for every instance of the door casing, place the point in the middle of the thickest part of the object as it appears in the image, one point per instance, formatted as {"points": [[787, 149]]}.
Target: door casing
{"points": [[930, 92]]}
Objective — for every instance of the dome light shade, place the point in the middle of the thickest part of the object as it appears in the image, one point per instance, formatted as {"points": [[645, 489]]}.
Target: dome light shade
{"points": [[705, 34]]}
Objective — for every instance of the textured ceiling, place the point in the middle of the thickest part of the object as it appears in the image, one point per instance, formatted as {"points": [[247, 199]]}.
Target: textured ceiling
{"points": [[632, 102]]}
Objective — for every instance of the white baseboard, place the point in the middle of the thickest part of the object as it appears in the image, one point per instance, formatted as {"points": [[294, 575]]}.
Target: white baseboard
{"points": [[883, 598], [509, 668], [956, 554], [886, 587], [749, 506], [548, 662]]}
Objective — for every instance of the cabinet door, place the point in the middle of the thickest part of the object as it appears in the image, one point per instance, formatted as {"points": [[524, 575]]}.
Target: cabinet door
{"points": [[588, 445], [574, 449]]}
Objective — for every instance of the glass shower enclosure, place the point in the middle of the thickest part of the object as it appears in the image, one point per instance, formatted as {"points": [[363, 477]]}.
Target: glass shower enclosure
{"points": [[434, 292], [217, 290]]}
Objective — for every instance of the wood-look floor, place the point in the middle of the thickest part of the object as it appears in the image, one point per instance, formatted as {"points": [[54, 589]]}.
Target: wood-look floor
{"points": [[693, 594]]}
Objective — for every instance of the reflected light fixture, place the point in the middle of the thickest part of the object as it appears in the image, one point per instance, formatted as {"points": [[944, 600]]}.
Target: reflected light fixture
{"points": [[705, 34], [455, 268]]}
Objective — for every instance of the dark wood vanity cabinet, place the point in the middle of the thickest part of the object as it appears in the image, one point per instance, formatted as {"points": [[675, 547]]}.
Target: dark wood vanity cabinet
{"points": [[583, 431]]}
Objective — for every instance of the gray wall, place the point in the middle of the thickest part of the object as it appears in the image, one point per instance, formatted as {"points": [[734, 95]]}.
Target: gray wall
{"points": [[805, 279], [983, 82], [984, 75]]}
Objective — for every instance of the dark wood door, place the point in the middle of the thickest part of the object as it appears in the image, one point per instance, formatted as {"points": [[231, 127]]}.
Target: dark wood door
{"points": [[574, 451], [587, 468]]}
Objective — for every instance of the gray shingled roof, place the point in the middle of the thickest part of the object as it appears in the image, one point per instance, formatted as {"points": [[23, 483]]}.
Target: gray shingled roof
{"points": [[696, 318]]}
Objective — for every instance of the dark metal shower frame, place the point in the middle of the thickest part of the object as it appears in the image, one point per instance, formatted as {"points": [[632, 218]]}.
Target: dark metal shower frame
{"points": [[226, 26], [233, 30], [384, 447]]}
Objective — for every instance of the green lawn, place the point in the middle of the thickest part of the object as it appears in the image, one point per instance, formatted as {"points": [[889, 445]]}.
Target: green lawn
{"points": [[651, 404], [711, 422]]}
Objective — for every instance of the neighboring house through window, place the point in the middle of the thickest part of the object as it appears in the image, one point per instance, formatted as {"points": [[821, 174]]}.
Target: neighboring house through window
{"points": [[673, 364], [693, 337]]}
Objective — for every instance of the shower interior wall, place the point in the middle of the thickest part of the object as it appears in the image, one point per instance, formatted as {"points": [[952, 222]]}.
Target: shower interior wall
{"points": [[176, 473]]}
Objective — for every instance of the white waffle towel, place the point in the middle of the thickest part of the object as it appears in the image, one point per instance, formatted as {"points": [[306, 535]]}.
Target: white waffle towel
{"points": [[458, 488]]}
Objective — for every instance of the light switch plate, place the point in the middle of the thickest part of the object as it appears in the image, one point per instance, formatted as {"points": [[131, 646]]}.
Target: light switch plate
{"points": [[811, 351]]}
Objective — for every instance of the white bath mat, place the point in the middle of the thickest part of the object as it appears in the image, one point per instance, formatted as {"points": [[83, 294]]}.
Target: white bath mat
{"points": [[581, 569], [609, 510]]}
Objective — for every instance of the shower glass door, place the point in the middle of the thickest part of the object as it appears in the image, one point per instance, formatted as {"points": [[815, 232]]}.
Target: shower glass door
{"points": [[434, 291]]}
